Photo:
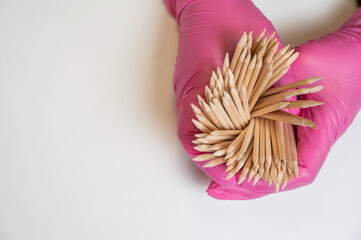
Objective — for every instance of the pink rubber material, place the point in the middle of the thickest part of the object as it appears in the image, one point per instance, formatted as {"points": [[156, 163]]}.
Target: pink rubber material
{"points": [[210, 28]]}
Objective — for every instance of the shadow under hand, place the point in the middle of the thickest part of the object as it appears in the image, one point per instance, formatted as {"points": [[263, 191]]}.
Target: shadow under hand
{"points": [[162, 102]]}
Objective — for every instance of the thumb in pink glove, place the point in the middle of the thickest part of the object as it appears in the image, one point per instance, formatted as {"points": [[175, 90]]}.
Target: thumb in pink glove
{"points": [[335, 56]]}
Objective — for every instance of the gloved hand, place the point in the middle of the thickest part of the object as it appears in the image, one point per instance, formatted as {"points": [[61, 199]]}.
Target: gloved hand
{"points": [[335, 56], [208, 29]]}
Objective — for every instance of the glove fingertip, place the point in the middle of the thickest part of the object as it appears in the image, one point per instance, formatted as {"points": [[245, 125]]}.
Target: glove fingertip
{"points": [[232, 193]]}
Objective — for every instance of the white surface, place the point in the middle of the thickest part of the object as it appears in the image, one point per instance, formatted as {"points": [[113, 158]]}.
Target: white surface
{"points": [[88, 146]]}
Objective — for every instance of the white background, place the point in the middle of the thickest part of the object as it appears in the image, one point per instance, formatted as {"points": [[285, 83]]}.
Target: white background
{"points": [[88, 146]]}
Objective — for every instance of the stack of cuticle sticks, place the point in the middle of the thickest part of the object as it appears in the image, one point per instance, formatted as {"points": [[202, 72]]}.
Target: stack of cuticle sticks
{"points": [[243, 124]]}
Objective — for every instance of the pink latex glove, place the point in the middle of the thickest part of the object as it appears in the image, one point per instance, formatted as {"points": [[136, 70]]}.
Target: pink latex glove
{"points": [[208, 29], [337, 57]]}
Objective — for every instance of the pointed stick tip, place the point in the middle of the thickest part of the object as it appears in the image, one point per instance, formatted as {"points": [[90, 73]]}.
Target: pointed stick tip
{"points": [[229, 168], [241, 179], [226, 60], [196, 110], [318, 103], [199, 98], [229, 175], [316, 89], [255, 179], [209, 164], [206, 107], [229, 154], [277, 187], [283, 104], [201, 157], [315, 79]]}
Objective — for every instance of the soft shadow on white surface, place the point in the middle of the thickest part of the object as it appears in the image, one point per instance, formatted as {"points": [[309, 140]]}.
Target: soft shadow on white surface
{"points": [[163, 113]]}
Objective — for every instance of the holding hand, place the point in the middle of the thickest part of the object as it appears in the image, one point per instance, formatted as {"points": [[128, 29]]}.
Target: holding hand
{"points": [[209, 29]]}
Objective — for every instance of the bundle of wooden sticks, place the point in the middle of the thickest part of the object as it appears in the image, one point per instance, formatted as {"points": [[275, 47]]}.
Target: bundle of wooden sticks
{"points": [[243, 124]]}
